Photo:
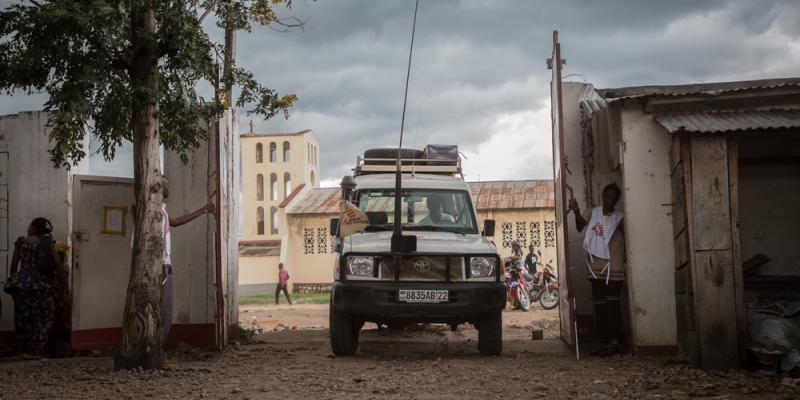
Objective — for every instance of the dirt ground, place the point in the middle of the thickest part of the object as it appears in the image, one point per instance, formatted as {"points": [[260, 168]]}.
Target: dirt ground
{"points": [[292, 359]]}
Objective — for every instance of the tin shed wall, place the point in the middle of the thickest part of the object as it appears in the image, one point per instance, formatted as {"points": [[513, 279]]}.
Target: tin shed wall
{"points": [[29, 187], [648, 231]]}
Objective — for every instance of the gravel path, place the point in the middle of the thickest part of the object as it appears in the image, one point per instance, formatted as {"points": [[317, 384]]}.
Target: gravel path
{"points": [[424, 363]]}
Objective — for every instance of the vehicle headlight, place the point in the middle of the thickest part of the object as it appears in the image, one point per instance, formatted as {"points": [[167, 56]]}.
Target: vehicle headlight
{"points": [[480, 267], [361, 265]]}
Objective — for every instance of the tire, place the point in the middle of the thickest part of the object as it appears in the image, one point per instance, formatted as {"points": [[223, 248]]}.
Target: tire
{"points": [[343, 332], [490, 335], [524, 299], [549, 299]]}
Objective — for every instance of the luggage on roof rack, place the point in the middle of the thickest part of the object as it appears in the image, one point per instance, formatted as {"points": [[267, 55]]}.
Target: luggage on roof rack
{"points": [[435, 159]]}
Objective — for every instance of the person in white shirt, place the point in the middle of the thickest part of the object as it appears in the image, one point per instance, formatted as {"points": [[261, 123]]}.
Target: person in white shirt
{"points": [[604, 247], [436, 215]]}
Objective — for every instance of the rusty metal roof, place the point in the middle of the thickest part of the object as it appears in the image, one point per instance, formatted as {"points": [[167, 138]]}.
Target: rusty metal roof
{"points": [[317, 201], [730, 121], [713, 88], [503, 195], [491, 195]]}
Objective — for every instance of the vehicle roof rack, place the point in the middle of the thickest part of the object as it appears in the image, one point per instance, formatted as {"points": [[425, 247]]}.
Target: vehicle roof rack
{"points": [[435, 159]]}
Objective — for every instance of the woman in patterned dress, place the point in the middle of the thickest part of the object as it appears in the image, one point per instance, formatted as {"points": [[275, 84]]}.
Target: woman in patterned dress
{"points": [[34, 286]]}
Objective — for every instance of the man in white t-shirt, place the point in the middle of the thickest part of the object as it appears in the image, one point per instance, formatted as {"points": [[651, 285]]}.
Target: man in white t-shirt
{"points": [[166, 274], [604, 247]]}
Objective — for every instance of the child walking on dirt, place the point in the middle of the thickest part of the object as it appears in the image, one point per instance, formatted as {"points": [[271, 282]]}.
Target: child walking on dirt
{"points": [[283, 284]]}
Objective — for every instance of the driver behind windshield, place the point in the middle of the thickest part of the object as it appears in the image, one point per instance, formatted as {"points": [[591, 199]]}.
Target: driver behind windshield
{"points": [[436, 216]]}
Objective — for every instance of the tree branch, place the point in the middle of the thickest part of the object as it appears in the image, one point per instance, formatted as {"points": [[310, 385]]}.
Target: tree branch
{"points": [[208, 11], [288, 23]]}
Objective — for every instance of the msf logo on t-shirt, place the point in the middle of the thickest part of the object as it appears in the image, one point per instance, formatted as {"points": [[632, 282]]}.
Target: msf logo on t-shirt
{"points": [[598, 229]]}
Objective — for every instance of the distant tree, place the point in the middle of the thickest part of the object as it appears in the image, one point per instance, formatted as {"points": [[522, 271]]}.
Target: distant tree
{"points": [[128, 70]]}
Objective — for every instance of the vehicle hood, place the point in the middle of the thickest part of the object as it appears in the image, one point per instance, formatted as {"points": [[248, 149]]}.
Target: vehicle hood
{"points": [[427, 242]]}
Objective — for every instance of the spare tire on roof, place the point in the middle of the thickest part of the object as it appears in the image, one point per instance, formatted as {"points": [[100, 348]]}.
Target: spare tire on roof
{"points": [[390, 155]]}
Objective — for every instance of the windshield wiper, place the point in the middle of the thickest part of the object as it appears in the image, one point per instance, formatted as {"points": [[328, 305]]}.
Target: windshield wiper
{"points": [[386, 227], [433, 228]]}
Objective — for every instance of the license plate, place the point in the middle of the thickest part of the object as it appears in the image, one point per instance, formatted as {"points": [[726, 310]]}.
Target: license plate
{"points": [[423, 296]]}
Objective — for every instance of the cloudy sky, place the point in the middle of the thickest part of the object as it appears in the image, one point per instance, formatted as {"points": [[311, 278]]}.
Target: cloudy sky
{"points": [[478, 75]]}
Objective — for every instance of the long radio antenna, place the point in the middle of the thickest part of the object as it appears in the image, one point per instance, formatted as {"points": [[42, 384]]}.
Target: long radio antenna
{"points": [[397, 237]]}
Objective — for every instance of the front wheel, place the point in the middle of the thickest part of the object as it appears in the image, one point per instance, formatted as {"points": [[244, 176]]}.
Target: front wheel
{"points": [[549, 299], [524, 299], [490, 335], [343, 333]]}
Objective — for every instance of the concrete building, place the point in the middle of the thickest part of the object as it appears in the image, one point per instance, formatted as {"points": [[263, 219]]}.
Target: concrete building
{"points": [[276, 167], [523, 211], [93, 214], [704, 169]]}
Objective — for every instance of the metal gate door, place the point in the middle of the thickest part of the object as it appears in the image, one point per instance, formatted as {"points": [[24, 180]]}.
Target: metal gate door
{"points": [[566, 299], [101, 260]]}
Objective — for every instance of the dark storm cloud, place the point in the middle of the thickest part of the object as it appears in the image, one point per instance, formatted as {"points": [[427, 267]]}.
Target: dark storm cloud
{"points": [[479, 66]]}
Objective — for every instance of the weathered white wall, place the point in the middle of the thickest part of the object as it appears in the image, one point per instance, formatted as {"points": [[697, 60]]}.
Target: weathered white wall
{"points": [[576, 179], [29, 187], [648, 229], [193, 252], [193, 243], [769, 195]]}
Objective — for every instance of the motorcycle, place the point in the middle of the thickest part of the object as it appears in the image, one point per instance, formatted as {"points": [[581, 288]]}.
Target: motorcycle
{"points": [[544, 287], [516, 285]]}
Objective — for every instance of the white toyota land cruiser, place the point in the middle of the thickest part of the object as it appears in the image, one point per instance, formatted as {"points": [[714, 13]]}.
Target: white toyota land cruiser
{"points": [[451, 275]]}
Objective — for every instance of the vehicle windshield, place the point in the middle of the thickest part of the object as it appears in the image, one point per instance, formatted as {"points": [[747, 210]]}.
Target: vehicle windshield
{"points": [[422, 209]]}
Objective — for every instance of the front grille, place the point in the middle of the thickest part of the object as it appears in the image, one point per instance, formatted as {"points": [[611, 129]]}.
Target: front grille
{"points": [[423, 269]]}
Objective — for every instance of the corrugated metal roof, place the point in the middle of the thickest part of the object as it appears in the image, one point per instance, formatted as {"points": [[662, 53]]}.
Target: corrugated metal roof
{"points": [[317, 201], [492, 195], [714, 88], [498, 195], [731, 121]]}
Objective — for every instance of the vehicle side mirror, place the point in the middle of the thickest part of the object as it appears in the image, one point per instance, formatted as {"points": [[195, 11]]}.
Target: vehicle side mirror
{"points": [[488, 227], [334, 226]]}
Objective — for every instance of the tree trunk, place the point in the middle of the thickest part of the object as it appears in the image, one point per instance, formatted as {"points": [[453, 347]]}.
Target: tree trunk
{"points": [[142, 327]]}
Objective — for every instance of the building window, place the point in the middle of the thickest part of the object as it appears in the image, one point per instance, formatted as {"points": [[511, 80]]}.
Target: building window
{"points": [[287, 184], [273, 220], [259, 153], [312, 178], [549, 234], [522, 234], [273, 187], [273, 152], [287, 152], [260, 187], [333, 242], [507, 235], [308, 240], [322, 240], [260, 219], [536, 234]]}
